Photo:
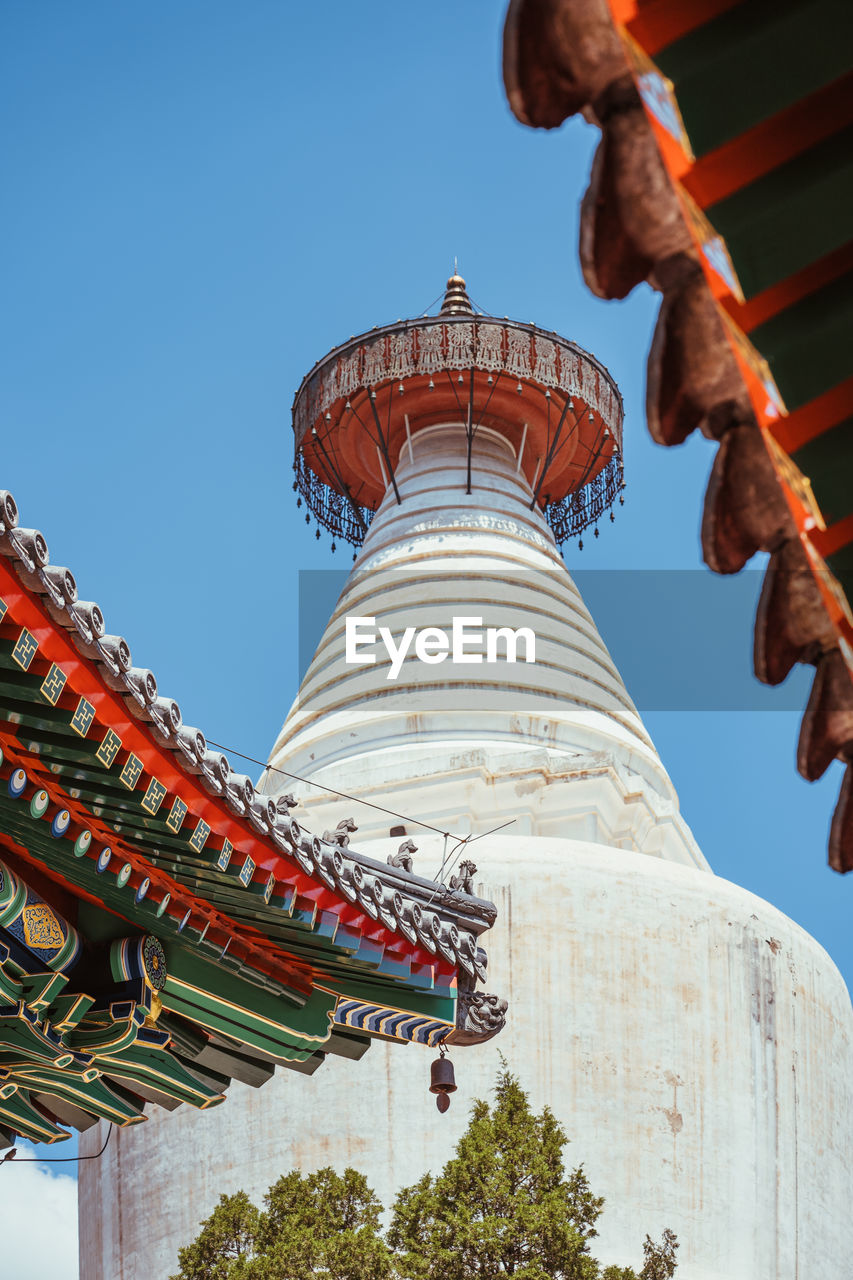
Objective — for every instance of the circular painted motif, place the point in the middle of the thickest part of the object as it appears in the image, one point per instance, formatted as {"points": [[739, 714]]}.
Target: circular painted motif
{"points": [[164, 904], [154, 963], [124, 875], [39, 803], [104, 859], [142, 890], [184, 921], [17, 782], [61, 823], [82, 843]]}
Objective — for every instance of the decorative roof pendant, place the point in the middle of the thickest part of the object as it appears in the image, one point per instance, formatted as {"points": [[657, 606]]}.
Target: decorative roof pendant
{"points": [[442, 1079]]}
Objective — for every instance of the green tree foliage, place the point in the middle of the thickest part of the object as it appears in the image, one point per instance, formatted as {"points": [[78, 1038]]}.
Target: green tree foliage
{"points": [[659, 1259], [503, 1206], [225, 1242], [322, 1224]]}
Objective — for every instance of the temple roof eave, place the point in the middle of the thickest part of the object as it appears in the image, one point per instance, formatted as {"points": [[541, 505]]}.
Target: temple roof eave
{"points": [[679, 194], [111, 807]]}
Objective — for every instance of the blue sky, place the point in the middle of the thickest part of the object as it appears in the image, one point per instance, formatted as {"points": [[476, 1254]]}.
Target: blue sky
{"points": [[201, 199]]}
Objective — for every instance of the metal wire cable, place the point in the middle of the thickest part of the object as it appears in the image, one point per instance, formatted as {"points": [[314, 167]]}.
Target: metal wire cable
{"points": [[344, 795], [438, 297], [12, 1156], [460, 845]]}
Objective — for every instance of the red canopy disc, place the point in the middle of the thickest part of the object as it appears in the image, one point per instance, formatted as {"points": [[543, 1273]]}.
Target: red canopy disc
{"points": [[558, 408]]}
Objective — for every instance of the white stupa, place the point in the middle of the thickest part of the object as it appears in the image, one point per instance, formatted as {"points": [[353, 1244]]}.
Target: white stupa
{"points": [[695, 1043]]}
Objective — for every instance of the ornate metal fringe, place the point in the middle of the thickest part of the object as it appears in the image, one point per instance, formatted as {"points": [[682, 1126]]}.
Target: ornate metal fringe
{"points": [[577, 511], [334, 511], [567, 518]]}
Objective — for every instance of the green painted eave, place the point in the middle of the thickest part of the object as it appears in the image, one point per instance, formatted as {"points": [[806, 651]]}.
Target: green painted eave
{"points": [[808, 345], [791, 217], [753, 61], [841, 564], [440, 1005], [236, 1008], [827, 462]]}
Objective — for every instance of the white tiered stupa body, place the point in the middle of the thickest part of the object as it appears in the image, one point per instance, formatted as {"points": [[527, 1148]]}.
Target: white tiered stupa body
{"points": [[695, 1043]]}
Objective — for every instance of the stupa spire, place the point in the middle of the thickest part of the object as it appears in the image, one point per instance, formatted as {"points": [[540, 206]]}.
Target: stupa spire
{"points": [[456, 301]]}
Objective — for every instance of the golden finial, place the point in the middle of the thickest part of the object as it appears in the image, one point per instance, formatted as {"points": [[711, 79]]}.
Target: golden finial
{"points": [[456, 300]]}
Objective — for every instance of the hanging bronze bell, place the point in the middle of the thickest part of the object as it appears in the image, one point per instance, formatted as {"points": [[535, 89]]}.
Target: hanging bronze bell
{"points": [[442, 1081]]}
